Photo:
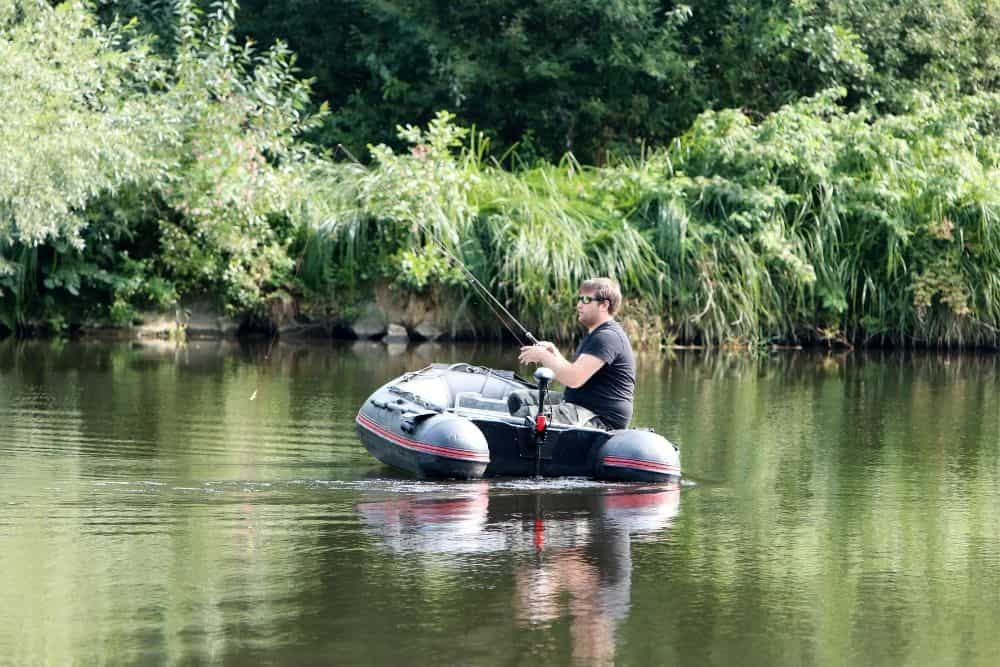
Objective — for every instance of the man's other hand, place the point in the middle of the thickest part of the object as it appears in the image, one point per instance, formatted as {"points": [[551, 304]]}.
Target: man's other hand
{"points": [[534, 354]]}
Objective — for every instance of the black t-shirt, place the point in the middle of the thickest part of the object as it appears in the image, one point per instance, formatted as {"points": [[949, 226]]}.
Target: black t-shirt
{"points": [[608, 392]]}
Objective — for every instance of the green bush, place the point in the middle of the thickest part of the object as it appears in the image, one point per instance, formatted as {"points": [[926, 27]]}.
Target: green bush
{"points": [[135, 178]]}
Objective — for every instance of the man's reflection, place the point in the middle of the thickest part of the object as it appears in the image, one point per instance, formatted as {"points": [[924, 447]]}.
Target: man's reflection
{"points": [[573, 546]]}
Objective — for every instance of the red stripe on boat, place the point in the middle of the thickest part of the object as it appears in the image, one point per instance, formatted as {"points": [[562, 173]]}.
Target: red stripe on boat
{"points": [[641, 464], [437, 450]]}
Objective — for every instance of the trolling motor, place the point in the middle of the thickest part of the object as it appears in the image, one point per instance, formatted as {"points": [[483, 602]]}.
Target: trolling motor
{"points": [[544, 376]]}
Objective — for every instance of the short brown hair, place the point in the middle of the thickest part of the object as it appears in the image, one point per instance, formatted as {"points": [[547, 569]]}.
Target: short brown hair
{"points": [[604, 289]]}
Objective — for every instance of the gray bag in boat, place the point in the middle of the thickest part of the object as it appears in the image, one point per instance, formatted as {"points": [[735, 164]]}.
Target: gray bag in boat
{"points": [[524, 403]]}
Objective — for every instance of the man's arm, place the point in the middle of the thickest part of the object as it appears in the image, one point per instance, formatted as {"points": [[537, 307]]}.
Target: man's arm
{"points": [[573, 374]]}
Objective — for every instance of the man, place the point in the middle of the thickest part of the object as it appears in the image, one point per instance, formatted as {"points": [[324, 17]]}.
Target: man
{"points": [[601, 379]]}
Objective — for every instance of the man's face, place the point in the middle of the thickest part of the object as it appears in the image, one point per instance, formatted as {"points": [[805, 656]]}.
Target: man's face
{"points": [[588, 308]]}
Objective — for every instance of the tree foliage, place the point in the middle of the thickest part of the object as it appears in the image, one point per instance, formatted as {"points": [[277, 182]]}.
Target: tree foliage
{"points": [[595, 78], [111, 144], [767, 171], [73, 120], [74, 124]]}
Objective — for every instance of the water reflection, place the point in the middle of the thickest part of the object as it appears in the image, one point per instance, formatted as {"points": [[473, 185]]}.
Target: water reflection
{"points": [[574, 547], [150, 511]]}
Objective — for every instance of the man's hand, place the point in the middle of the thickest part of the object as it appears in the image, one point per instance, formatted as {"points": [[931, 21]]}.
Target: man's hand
{"points": [[551, 347], [536, 354]]}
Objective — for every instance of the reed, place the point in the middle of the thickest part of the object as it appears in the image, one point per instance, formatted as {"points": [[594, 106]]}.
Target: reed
{"points": [[530, 236], [814, 225], [816, 222]]}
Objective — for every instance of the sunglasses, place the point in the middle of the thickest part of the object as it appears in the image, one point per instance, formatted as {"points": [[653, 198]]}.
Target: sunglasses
{"points": [[585, 298]]}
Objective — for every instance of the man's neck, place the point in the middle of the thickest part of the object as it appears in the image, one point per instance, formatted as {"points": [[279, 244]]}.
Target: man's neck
{"points": [[604, 321]]}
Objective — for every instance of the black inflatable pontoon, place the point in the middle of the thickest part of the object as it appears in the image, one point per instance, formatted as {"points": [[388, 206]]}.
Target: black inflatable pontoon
{"points": [[453, 421]]}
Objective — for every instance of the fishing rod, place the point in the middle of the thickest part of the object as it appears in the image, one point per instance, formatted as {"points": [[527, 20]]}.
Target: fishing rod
{"points": [[491, 301], [483, 291]]}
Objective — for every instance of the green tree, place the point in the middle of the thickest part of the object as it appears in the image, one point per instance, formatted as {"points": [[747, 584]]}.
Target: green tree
{"points": [[134, 177], [238, 164], [560, 76], [74, 124], [590, 77]]}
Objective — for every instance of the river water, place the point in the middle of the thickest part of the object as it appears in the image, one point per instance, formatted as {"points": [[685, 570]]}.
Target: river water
{"points": [[211, 504]]}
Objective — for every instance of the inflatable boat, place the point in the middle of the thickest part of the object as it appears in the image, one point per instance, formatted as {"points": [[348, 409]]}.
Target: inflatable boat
{"points": [[456, 421]]}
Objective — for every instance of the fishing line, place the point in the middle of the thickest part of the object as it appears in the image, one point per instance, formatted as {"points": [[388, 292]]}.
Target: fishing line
{"points": [[260, 373], [491, 301]]}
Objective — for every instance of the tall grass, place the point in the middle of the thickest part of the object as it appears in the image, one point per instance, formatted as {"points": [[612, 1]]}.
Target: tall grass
{"points": [[818, 224], [812, 225], [531, 237]]}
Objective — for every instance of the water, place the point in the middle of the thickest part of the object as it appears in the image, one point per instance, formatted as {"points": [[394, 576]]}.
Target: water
{"points": [[206, 504]]}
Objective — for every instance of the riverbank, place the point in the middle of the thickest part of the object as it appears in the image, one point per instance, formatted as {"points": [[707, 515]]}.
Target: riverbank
{"points": [[191, 174]]}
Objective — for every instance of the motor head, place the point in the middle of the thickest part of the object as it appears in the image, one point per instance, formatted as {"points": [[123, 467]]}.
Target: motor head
{"points": [[544, 376]]}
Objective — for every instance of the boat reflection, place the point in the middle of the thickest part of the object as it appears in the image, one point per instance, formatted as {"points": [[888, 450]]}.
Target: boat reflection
{"points": [[572, 546]]}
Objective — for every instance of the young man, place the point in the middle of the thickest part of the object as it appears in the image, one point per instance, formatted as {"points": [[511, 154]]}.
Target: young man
{"points": [[601, 379]]}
